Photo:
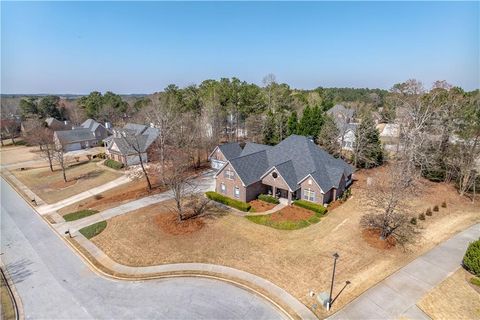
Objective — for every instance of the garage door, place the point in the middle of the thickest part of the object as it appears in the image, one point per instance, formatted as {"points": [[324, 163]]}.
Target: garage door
{"points": [[73, 147], [217, 164]]}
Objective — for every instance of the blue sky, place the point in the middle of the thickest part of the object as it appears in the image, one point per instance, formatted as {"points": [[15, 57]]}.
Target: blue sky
{"points": [[141, 47]]}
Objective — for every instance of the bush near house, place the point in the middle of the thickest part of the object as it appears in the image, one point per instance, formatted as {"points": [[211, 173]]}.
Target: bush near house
{"points": [[471, 260], [94, 229], [79, 215], [269, 199], [319, 209], [242, 206], [113, 164]]}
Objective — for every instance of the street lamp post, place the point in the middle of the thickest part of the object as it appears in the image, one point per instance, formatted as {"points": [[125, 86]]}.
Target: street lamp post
{"points": [[335, 257]]}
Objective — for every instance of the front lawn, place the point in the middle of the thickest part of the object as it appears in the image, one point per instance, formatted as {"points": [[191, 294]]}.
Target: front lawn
{"points": [[79, 215], [50, 186], [296, 261], [289, 218], [94, 229]]}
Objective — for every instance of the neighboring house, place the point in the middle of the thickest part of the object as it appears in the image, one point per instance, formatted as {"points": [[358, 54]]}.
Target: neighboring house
{"points": [[89, 134], [347, 139], [57, 125], [126, 143], [389, 136], [344, 118], [296, 168]]}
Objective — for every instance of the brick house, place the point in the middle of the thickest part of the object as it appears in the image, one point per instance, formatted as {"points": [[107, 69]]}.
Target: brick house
{"points": [[296, 168], [89, 134], [127, 143]]}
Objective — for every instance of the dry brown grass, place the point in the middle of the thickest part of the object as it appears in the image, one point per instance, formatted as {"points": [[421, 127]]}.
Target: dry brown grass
{"points": [[295, 260], [16, 154], [50, 186], [454, 298]]}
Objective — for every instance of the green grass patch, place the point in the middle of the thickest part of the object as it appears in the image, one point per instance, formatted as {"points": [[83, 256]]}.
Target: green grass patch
{"points": [[475, 281], [283, 225], [93, 230], [113, 164], [242, 206], [269, 199], [79, 215]]}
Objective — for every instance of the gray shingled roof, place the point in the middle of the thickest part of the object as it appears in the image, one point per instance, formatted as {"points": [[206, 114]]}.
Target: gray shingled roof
{"points": [[295, 158], [339, 109], [230, 150], [251, 147], [137, 138], [75, 135]]}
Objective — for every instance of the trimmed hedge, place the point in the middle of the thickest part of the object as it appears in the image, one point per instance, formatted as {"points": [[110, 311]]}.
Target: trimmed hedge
{"points": [[471, 260], [319, 209], [113, 164], [269, 199], [242, 206]]}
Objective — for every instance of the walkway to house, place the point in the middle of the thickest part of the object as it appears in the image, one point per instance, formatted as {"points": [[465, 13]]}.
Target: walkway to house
{"points": [[46, 209], [396, 296], [204, 183]]}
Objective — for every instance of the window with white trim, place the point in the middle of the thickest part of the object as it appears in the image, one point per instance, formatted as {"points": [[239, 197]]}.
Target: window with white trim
{"points": [[237, 192], [223, 188], [309, 194], [229, 174]]}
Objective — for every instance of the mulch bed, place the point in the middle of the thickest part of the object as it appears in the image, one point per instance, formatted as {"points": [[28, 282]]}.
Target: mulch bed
{"points": [[261, 206], [372, 237], [169, 223], [291, 213], [62, 185]]}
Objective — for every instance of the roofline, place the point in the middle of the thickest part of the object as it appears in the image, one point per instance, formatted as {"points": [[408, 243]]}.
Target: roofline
{"points": [[310, 175], [275, 167], [223, 167], [210, 155]]}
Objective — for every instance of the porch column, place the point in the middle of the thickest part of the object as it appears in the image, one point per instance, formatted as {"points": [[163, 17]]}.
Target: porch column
{"points": [[274, 191], [289, 197], [334, 194]]}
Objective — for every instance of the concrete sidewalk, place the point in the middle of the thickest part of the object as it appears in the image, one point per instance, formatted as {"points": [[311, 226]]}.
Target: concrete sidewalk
{"points": [[81, 196], [396, 296], [204, 183]]}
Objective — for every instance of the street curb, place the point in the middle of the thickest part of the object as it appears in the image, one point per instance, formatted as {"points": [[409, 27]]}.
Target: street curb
{"points": [[306, 314], [12, 291]]}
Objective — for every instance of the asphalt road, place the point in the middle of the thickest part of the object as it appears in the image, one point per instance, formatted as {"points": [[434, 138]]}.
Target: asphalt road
{"points": [[54, 283]]}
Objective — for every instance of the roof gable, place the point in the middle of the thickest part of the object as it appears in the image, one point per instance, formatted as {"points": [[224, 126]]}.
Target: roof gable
{"points": [[230, 150]]}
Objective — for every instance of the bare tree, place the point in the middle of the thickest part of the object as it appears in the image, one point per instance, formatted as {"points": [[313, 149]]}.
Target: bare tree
{"points": [[37, 134], [137, 143], [59, 156], [328, 138], [388, 196]]}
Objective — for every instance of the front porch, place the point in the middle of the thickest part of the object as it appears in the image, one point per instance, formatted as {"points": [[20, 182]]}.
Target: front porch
{"points": [[284, 196]]}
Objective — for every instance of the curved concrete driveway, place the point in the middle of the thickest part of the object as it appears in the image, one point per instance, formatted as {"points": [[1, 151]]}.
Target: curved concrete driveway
{"points": [[54, 283]]}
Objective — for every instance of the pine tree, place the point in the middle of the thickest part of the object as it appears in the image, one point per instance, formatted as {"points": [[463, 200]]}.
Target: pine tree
{"points": [[269, 135], [328, 137], [368, 150], [292, 125], [317, 121], [305, 122]]}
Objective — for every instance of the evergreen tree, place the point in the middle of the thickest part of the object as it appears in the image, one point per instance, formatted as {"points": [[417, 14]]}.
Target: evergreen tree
{"points": [[292, 125], [368, 150], [328, 137], [317, 121], [269, 135], [305, 122]]}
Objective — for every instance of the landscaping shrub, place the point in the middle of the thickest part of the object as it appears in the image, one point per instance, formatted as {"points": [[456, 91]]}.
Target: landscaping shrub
{"points": [[113, 164], [421, 216], [242, 206], [413, 221], [269, 199], [444, 204], [435, 208], [471, 260], [79, 215], [428, 212], [475, 281], [319, 209], [94, 229], [346, 194], [100, 155]]}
